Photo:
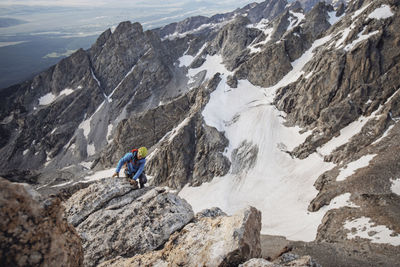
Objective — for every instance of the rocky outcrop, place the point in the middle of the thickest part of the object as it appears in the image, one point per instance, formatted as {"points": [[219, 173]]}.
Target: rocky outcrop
{"points": [[199, 158], [34, 233], [114, 220], [210, 241]]}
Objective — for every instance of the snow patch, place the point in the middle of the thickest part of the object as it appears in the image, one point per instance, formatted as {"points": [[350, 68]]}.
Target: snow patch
{"points": [[295, 19], [212, 65], [360, 37], [91, 150], [59, 185], [86, 164], [99, 175], [353, 166], [382, 12], [359, 11], [364, 227], [396, 186], [186, 60], [66, 91], [210, 26], [263, 26], [95, 78], [333, 19], [46, 99], [85, 125], [25, 152], [109, 131]]}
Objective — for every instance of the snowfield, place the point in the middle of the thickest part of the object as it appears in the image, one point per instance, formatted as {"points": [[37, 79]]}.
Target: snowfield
{"points": [[277, 184]]}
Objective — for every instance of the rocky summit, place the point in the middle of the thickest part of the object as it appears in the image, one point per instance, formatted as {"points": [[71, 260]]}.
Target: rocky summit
{"points": [[290, 107]]}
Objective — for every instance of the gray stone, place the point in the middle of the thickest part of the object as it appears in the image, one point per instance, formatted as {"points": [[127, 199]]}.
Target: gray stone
{"points": [[114, 219], [219, 241]]}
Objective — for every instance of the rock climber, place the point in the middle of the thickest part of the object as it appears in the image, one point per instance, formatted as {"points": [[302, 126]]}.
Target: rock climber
{"points": [[134, 166]]}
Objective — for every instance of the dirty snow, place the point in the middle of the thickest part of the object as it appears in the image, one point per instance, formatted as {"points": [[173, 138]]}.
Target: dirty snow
{"points": [[353, 166], [364, 227], [382, 12], [396, 186]]}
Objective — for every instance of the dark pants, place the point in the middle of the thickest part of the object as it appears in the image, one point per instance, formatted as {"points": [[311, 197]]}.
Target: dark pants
{"points": [[142, 178]]}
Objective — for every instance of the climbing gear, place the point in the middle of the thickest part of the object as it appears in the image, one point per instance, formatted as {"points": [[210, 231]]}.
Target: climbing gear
{"points": [[142, 152]]}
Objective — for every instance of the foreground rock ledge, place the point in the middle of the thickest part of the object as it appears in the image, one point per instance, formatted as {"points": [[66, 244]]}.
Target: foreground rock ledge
{"points": [[33, 233], [114, 220], [218, 241]]}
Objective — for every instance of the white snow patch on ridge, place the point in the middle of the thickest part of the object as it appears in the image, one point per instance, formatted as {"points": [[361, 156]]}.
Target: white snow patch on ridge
{"points": [[49, 98], [382, 12], [359, 11], [262, 26], [364, 227], [295, 20], [360, 37], [353, 166]]}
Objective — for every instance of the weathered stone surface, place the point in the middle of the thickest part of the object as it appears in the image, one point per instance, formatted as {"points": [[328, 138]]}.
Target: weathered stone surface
{"points": [[113, 219], [33, 233], [220, 241]]}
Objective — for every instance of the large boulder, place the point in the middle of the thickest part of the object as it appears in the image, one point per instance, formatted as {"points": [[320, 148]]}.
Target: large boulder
{"points": [[208, 241], [114, 220], [33, 233]]}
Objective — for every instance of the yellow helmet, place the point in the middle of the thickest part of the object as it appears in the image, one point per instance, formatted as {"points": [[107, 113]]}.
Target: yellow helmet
{"points": [[142, 152]]}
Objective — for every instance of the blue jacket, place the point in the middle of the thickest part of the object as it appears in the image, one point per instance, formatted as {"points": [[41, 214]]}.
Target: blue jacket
{"points": [[133, 166]]}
